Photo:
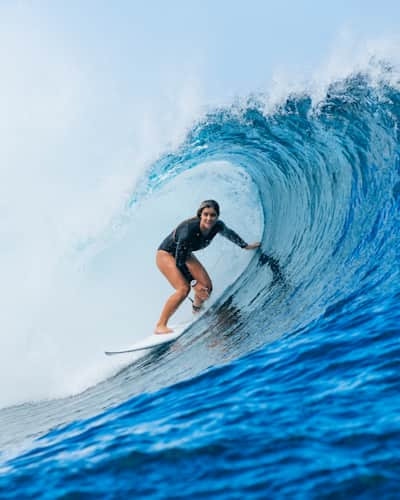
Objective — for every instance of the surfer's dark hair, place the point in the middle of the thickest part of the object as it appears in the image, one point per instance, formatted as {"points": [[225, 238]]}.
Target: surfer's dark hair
{"points": [[208, 204]]}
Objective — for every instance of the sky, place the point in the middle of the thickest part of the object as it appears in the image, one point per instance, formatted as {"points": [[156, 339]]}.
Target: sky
{"points": [[229, 46]]}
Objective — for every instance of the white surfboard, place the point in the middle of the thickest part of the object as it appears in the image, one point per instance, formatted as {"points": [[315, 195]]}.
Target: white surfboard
{"points": [[152, 341]]}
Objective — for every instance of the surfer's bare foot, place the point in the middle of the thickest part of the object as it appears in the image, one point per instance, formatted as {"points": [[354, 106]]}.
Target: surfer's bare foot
{"points": [[163, 329]]}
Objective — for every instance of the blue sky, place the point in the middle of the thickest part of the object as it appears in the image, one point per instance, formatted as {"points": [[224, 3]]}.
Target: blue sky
{"points": [[231, 46], [233, 41]]}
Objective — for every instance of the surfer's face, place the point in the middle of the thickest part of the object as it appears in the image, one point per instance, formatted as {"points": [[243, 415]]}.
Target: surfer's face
{"points": [[208, 218]]}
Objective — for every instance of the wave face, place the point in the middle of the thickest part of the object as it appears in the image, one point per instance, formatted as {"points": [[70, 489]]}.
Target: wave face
{"points": [[288, 384]]}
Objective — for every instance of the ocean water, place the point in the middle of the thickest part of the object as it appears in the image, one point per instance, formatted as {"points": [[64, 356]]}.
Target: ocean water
{"points": [[287, 386]]}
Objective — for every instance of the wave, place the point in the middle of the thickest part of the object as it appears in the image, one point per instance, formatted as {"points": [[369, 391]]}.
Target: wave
{"points": [[327, 175], [312, 316], [318, 178]]}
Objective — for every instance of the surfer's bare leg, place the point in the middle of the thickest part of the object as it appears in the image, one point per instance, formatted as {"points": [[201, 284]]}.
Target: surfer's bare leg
{"points": [[167, 265], [203, 288]]}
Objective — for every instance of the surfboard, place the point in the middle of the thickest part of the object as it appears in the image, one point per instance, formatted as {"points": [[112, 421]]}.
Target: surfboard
{"points": [[152, 341]]}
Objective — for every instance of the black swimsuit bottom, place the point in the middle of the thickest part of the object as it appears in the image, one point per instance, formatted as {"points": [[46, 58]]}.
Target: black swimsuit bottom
{"points": [[187, 238]]}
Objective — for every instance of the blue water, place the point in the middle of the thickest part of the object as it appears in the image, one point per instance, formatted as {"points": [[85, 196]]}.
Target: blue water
{"points": [[288, 386]]}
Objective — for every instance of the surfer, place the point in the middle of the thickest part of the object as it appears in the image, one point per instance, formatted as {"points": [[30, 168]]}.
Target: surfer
{"points": [[181, 268]]}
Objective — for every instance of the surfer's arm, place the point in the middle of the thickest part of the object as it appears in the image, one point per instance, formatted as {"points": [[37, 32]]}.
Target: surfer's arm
{"points": [[181, 255], [228, 233]]}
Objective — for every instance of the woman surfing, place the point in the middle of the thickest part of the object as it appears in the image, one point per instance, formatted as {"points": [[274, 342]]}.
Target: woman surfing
{"points": [[182, 269]]}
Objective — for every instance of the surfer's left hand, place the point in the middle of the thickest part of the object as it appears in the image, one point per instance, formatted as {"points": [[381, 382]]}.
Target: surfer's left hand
{"points": [[253, 246]]}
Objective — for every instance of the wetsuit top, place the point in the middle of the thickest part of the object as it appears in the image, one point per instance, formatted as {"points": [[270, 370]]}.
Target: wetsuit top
{"points": [[187, 238]]}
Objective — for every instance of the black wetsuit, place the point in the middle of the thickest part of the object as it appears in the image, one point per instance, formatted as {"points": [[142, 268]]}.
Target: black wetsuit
{"points": [[187, 238]]}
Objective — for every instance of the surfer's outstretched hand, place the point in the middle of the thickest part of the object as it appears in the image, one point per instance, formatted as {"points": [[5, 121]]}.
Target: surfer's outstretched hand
{"points": [[252, 246]]}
